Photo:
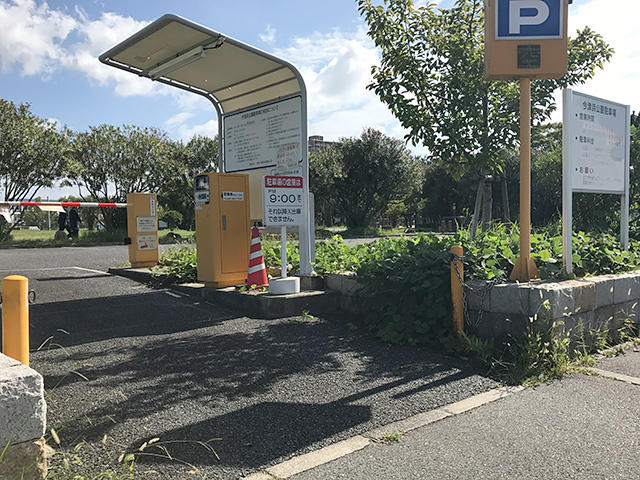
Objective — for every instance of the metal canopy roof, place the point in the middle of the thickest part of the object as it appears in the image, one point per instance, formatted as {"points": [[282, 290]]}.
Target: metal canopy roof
{"points": [[232, 74]]}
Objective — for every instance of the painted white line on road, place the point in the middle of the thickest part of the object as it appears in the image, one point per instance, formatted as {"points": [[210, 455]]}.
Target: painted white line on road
{"points": [[408, 424], [327, 454], [91, 270], [173, 294], [615, 376]]}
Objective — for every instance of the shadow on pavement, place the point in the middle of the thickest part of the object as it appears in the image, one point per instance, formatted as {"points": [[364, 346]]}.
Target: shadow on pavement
{"points": [[256, 435], [151, 365]]}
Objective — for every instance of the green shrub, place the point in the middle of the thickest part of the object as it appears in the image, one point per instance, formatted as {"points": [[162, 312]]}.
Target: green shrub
{"points": [[175, 266], [494, 252], [406, 294]]}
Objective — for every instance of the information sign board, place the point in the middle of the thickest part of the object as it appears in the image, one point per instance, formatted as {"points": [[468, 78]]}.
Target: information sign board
{"points": [[147, 224], [233, 196], [595, 158], [266, 136], [595, 143], [283, 201]]}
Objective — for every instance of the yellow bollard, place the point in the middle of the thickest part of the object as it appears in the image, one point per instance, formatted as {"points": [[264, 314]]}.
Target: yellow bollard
{"points": [[15, 318], [457, 274]]}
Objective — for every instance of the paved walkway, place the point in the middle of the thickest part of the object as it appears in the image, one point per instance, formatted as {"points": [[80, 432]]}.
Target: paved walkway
{"points": [[583, 427]]}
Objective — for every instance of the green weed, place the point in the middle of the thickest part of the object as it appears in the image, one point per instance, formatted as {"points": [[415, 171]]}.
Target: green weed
{"points": [[389, 438]]}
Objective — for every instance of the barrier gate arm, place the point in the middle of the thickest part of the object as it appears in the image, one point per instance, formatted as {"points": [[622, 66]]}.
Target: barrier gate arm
{"points": [[22, 203]]}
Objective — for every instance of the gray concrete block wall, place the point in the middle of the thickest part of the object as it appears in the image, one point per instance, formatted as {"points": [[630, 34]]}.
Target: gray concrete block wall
{"points": [[592, 302], [22, 405], [507, 308]]}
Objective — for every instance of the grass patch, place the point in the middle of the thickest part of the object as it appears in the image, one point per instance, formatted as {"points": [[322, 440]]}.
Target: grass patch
{"points": [[389, 438], [548, 350], [44, 238]]}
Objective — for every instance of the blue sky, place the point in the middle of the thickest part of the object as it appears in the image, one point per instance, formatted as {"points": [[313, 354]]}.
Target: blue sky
{"points": [[48, 57]]}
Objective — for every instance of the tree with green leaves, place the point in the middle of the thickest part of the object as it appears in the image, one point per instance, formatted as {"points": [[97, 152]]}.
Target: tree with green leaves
{"points": [[199, 155], [32, 155], [324, 168], [431, 76], [109, 162], [374, 169]]}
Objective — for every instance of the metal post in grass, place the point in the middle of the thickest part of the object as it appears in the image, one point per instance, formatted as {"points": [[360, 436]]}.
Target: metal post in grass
{"points": [[457, 277]]}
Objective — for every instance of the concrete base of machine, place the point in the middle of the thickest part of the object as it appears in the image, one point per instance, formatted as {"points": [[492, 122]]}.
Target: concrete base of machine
{"points": [[143, 264], [284, 285]]}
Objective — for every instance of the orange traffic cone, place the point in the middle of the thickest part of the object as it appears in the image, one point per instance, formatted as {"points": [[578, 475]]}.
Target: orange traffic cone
{"points": [[257, 271]]}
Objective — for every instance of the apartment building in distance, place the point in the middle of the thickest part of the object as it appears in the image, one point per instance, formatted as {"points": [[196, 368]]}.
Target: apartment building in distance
{"points": [[317, 142]]}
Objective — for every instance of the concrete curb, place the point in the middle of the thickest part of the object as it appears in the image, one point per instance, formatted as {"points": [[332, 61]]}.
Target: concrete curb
{"points": [[257, 305], [142, 275], [615, 376], [307, 461]]}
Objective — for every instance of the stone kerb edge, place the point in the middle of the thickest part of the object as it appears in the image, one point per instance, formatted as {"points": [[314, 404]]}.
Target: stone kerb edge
{"points": [[22, 405]]}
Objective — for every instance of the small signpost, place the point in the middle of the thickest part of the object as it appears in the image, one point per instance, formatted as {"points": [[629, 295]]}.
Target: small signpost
{"points": [[525, 40], [595, 158], [283, 206]]}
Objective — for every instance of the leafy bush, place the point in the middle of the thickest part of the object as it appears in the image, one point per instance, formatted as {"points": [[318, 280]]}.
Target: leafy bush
{"points": [[494, 252], [175, 266], [406, 295]]}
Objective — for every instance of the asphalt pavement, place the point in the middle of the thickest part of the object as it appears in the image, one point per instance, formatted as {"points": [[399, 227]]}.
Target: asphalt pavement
{"points": [[34, 259], [582, 427], [226, 394]]}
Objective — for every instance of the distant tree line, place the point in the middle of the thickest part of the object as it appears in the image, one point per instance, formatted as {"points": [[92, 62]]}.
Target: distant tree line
{"points": [[104, 163]]}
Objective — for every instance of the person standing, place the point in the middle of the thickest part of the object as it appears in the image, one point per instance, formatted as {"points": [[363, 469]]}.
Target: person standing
{"points": [[74, 223]]}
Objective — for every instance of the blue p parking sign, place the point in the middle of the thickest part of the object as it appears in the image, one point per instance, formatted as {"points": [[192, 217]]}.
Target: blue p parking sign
{"points": [[529, 19]]}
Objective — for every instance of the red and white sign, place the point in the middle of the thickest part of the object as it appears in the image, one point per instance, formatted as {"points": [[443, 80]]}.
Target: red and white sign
{"points": [[282, 201], [147, 242]]}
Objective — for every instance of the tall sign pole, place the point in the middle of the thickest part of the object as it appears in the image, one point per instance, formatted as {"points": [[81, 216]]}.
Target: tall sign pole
{"points": [[525, 268], [525, 40]]}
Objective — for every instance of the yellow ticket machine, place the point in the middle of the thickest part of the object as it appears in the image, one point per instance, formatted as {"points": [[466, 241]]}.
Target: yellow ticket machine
{"points": [[222, 228], [142, 228]]}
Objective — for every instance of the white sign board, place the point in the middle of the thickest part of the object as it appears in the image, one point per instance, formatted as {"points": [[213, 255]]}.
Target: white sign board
{"points": [[596, 148], [147, 242], [201, 190], [596, 154], [282, 201], [147, 224], [265, 136], [233, 196]]}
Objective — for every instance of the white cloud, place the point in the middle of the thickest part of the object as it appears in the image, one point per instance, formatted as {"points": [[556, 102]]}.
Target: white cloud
{"points": [[336, 67], [269, 34], [97, 36], [31, 36], [178, 119], [207, 129], [39, 39], [621, 76], [619, 26]]}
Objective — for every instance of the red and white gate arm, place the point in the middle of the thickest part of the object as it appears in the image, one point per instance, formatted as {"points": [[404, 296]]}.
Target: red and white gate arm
{"points": [[62, 204]]}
